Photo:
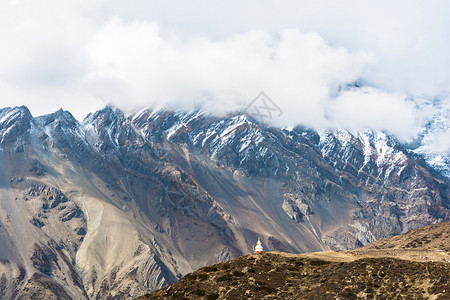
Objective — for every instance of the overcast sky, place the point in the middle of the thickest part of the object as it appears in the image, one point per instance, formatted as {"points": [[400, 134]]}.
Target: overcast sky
{"points": [[82, 55]]}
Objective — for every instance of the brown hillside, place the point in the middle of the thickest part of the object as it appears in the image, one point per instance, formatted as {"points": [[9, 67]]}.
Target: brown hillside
{"points": [[432, 237], [415, 265]]}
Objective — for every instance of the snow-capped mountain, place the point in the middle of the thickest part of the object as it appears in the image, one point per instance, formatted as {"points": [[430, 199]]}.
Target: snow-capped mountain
{"points": [[433, 143], [119, 205]]}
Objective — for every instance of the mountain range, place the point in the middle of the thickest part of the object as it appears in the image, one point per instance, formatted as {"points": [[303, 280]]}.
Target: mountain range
{"points": [[119, 205]]}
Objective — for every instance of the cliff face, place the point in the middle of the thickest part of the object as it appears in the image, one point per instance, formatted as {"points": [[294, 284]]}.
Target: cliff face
{"points": [[118, 205]]}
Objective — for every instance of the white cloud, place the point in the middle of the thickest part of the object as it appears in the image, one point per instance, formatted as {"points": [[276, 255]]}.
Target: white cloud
{"points": [[42, 60], [437, 136], [220, 55], [298, 70], [372, 108]]}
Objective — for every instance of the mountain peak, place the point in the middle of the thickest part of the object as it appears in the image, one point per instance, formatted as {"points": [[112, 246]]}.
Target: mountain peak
{"points": [[12, 113], [61, 115], [106, 116], [14, 121]]}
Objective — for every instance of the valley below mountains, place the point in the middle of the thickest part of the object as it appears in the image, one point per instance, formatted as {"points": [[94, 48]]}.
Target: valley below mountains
{"points": [[117, 206]]}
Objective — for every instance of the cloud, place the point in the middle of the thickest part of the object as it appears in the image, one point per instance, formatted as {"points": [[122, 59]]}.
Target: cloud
{"points": [[42, 61], [298, 70], [411, 39], [436, 137], [371, 108], [81, 56], [135, 66]]}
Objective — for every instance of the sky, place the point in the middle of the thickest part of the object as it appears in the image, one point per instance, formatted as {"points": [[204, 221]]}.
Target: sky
{"points": [[219, 55]]}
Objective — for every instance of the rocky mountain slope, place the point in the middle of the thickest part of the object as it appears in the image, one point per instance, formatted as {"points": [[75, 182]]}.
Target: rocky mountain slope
{"points": [[402, 267], [119, 205]]}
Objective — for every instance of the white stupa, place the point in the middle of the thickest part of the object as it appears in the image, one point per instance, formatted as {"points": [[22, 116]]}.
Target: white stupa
{"points": [[258, 247]]}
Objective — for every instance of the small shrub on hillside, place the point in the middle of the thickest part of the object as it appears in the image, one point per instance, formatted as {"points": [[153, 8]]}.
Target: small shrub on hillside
{"points": [[212, 297], [202, 276], [293, 268], [200, 293], [209, 269], [319, 262], [226, 277]]}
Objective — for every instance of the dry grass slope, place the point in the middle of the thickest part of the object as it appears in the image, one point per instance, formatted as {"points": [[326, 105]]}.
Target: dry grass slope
{"points": [[415, 265]]}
